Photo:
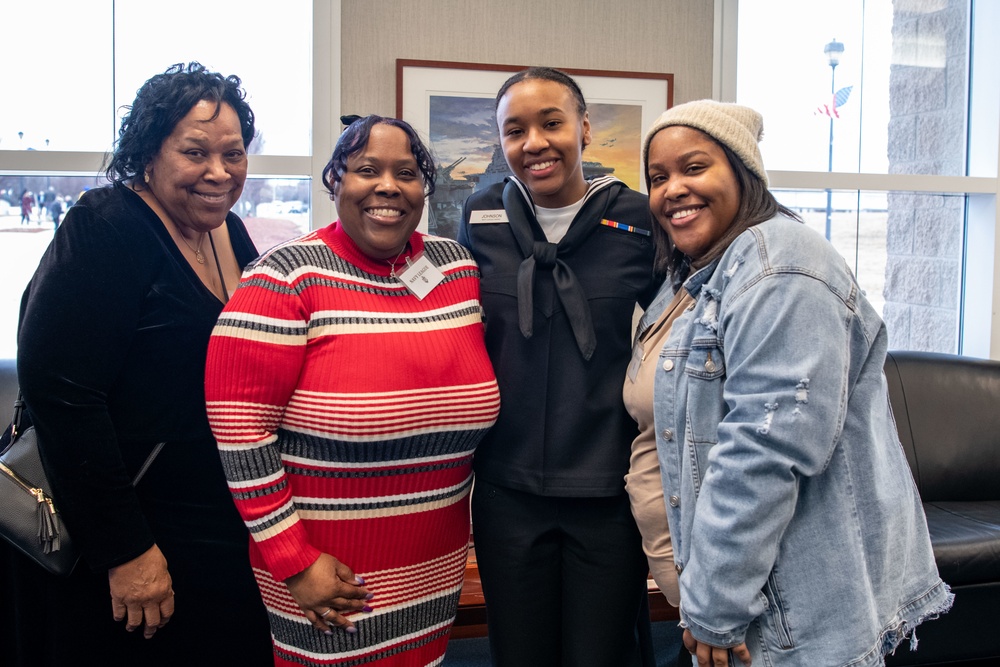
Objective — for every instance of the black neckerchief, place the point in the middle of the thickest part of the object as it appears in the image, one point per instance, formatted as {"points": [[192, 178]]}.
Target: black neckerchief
{"points": [[545, 255]]}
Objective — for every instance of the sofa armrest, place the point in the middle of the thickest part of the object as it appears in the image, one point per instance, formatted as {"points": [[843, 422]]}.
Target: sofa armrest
{"points": [[897, 401], [947, 410]]}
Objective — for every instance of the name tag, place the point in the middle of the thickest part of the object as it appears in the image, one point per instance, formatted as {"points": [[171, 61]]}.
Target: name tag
{"points": [[420, 276], [497, 215]]}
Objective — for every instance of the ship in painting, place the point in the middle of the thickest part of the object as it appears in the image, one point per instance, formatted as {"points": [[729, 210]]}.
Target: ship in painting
{"points": [[450, 193]]}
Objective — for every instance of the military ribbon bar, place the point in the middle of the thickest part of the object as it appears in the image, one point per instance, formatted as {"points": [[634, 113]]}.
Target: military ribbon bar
{"points": [[625, 228]]}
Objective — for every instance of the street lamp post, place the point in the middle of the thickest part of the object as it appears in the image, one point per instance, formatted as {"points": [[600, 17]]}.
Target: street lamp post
{"points": [[832, 51]]}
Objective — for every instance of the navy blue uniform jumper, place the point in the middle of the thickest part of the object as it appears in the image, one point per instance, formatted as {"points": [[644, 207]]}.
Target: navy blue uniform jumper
{"points": [[550, 512]]}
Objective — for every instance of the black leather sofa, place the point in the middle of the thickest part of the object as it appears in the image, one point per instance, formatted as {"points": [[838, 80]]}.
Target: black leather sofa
{"points": [[947, 411]]}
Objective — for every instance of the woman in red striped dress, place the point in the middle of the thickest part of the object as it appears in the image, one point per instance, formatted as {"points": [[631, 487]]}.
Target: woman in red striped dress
{"points": [[348, 385]]}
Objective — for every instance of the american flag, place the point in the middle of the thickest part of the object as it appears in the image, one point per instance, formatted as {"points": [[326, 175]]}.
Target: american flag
{"points": [[839, 99]]}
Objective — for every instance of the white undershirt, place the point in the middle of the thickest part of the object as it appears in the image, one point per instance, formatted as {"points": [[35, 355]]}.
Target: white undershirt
{"points": [[555, 221]]}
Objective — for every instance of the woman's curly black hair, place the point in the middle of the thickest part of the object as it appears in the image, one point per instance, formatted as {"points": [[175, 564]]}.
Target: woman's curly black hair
{"points": [[355, 138], [160, 104]]}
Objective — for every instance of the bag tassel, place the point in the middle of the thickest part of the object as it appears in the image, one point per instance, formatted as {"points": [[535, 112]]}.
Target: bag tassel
{"points": [[48, 531]]}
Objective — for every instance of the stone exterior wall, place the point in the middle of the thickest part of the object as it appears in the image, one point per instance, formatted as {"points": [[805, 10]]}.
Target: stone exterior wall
{"points": [[927, 129]]}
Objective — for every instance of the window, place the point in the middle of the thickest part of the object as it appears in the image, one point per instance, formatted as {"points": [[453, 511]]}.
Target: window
{"points": [[86, 60], [881, 130], [62, 108]]}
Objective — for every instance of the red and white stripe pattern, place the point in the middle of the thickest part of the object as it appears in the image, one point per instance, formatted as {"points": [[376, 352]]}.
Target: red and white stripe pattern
{"points": [[346, 413]]}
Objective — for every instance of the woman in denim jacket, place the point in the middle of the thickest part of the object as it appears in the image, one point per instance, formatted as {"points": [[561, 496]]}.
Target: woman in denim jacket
{"points": [[797, 530]]}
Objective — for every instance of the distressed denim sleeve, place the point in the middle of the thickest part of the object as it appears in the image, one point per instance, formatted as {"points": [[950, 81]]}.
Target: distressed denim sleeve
{"points": [[786, 336]]}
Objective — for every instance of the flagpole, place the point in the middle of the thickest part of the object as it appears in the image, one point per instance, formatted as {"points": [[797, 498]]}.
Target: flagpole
{"points": [[832, 51]]}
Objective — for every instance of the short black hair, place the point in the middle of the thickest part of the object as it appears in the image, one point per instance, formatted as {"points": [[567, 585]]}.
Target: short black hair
{"points": [[546, 74], [161, 103], [355, 138]]}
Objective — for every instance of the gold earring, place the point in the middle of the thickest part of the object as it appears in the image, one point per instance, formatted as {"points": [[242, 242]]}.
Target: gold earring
{"points": [[145, 176]]}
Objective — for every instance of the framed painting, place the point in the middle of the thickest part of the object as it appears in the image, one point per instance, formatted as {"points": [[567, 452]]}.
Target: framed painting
{"points": [[450, 104]]}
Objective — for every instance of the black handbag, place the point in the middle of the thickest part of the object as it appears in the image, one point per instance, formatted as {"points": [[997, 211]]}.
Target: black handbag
{"points": [[29, 515]]}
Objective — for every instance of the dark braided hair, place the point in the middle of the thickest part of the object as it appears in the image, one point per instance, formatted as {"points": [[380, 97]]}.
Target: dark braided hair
{"points": [[545, 74]]}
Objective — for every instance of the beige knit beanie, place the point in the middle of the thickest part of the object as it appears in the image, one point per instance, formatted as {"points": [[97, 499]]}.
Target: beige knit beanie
{"points": [[737, 127]]}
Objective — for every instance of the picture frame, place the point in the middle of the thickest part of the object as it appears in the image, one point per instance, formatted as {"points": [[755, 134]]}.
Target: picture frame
{"points": [[451, 106]]}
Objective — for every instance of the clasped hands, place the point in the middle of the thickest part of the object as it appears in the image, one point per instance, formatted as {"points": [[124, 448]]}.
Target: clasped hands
{"points": [[327, 589]]}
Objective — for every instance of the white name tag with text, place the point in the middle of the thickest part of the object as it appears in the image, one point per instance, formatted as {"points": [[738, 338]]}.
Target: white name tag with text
{"points": [[420, 276], [497, 215]]}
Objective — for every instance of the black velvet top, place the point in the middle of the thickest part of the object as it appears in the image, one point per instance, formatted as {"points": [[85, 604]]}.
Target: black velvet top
{"points": [[111, 356]]}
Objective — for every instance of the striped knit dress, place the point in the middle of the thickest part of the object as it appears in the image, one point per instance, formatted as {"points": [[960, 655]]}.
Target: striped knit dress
{"points": [[346, 412]]}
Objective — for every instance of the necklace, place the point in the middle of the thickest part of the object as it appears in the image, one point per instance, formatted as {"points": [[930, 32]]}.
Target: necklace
{"points": [[200, 258], [392, 264]]}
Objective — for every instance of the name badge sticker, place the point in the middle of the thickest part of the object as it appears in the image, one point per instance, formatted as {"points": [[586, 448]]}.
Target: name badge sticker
{"points": [[494, 216], [420, 276]]}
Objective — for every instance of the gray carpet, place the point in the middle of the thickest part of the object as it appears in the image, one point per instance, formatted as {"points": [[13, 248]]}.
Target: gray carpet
{"points": [[476, 652]]}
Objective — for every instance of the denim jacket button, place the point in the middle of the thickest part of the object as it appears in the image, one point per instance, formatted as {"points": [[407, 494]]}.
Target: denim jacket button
{"points": [[679, 568], [668, 434], [710, 366], [675, 501], [668, 365]]}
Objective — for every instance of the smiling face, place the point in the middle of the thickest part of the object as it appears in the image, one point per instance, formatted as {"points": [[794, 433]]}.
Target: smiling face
{"points": [[199, 172], [542, 135], [380, 196], [693, 191]]}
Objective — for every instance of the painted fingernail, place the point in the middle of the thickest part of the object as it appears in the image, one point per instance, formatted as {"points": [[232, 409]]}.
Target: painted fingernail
{"points": [[369, 597], [328, 632], [359, 580], [351, 629], [366, 609]]}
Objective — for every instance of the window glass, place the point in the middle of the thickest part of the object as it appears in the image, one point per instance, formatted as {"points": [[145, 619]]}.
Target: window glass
{"points": [[275, 209], [72, 66], [24, 237], [268, 47], [894, 102], [57, 75]]}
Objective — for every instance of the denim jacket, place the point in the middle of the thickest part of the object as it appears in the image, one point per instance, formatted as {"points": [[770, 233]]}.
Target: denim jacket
{"points": [[797, 526]]}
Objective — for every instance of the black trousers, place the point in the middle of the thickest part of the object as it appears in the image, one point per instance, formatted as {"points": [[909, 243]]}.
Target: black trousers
{"points": [[564, 578]]}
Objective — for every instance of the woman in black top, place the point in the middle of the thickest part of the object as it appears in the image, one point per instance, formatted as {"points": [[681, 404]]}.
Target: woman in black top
{"points": [[111, 354]]}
